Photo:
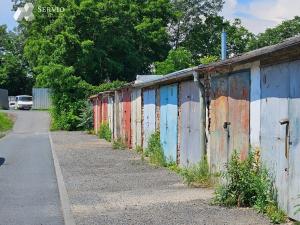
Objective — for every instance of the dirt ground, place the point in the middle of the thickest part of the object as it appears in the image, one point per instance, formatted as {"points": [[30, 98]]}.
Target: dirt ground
{"points": [[107, 186]]}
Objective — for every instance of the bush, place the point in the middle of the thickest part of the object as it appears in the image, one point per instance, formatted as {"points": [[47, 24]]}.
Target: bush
{"points": [[86, 117], [119, 144], [248, 184], [197, 175], [104, 132], [155, 151]]}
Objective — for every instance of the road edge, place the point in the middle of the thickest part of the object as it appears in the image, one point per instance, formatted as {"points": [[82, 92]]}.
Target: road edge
{"points": [[64, 199]]}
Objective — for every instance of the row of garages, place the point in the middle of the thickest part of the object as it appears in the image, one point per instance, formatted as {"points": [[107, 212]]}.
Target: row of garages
{"points": [[250, 101]]}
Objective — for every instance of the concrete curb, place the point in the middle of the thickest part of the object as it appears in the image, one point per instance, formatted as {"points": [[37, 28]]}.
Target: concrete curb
{"points": [[64, 199]]}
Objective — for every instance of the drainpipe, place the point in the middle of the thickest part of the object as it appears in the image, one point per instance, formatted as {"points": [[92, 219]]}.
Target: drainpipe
{"points": [[224, 45], [202, 111]]}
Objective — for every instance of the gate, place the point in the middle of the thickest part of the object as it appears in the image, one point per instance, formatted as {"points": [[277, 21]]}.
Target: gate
{"points": [[190, 148], [280, 131], [148, 115], [230, 113], [168, 120]]}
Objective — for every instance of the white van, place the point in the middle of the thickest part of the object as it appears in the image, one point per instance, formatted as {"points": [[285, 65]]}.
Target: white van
{"points": [[23, 102]]}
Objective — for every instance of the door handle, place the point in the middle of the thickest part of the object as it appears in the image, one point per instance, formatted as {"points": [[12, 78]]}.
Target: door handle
{"points": [[226, 124], [286, 122]]}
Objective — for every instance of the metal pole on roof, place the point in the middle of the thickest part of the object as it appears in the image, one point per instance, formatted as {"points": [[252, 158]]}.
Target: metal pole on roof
{"points": [[224, 45]]}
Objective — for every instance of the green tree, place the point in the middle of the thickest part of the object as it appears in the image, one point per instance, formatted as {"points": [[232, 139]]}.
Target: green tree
{"points": [[271, 36], [92, 42], [189, 13], [177, 59], [205, 37], [14, 72]]}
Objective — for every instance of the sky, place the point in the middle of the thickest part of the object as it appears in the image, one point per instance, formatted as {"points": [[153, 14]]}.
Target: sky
{"points": [[256, 15]]}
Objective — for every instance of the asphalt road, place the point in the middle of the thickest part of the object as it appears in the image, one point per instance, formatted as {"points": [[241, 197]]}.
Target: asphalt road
{"points": [[28, 186]]}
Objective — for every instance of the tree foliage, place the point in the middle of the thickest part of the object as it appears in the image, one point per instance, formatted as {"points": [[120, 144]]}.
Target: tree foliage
{"points": [[205, 37], [177, 59], [271, 36], [93, 42], [14, 72], [188, 14]]}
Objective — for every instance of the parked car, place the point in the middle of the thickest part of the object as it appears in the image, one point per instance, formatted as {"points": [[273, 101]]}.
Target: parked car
{"points": [[23, 102], [12, 104]]}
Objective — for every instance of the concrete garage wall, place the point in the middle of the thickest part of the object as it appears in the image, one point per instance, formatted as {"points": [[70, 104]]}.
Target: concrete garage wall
{"points": [[4, 99]]}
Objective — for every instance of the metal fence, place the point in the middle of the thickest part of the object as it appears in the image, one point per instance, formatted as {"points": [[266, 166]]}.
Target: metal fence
{"points": [[3, 99], [41, 98]]}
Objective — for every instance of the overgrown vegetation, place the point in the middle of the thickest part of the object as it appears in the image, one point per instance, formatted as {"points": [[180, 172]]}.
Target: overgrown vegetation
{"points": [[139, 149], [155, 151], [104, 132], [6, 124], [118, 144], [248, 184], [197, 175], [86, 117]]}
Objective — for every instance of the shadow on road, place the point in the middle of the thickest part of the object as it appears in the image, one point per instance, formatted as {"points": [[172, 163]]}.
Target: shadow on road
{"points": [[2, 160]]}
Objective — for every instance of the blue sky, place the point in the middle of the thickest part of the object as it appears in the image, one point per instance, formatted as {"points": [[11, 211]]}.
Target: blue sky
{"points": [[256, 15], [6, 15]]}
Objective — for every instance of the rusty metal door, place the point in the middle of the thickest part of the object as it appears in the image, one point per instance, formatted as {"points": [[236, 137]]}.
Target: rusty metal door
{"points": [[230, 113], [104, 110], [274, 108], [190, 150], [136, 117], [239, 113], [95, 114], [148, 115], [168, 120], [99, 114], [110, 112], [126, 99], [117, 114], [218, 116]]}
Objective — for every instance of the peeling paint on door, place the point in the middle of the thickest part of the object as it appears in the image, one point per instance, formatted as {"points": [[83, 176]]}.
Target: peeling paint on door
{"points": [[190, 149], [229, 114], [136, 120], [148, 115], [126, 120], [168, 120]]}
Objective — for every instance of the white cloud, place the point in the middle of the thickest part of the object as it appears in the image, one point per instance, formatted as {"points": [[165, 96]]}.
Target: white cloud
{"points": [[257, 15]]}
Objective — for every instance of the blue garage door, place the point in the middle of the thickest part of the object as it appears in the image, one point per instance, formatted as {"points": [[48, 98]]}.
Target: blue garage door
{"points": [[168, 121]]}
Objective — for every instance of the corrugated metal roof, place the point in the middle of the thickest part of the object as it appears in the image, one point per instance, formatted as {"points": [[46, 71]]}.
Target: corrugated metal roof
{"points": [[175, 75], [146, 78]]}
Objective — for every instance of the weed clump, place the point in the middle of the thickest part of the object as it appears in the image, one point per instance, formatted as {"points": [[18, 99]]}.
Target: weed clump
{"points": [[197, 175], [104, 132], [155, 151], [248, 184], [118, 144]]}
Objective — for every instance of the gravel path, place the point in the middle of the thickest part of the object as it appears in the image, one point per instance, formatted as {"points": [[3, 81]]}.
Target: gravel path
{"points": [[107, 186]]}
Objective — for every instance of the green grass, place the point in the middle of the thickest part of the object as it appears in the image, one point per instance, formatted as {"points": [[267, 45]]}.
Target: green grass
{"points": [[197, 175], [118, 144], [104, 132], [6, 123]]}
